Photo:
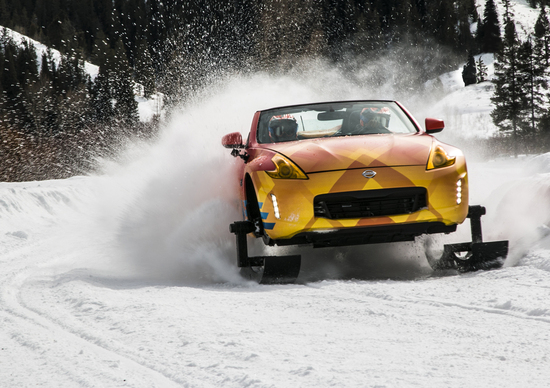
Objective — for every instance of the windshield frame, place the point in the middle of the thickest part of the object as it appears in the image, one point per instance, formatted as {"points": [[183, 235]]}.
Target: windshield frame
{"points": [[403, 122]]}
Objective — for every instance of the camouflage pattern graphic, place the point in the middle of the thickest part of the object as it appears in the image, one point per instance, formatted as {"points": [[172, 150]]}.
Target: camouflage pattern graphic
{"points": [[295, 197], [340, 164]]}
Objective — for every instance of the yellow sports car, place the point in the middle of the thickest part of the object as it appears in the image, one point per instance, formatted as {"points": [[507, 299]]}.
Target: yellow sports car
{"points": [[344, 173]]}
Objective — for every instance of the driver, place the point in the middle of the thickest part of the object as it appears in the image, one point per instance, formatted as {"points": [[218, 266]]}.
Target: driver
{"points": [[375, 120], [282, 128]]}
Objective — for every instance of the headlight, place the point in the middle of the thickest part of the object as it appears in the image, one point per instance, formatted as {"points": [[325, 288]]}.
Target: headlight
{"points": [[285, 169], [275, 207], [459, 191], [439, 158]]}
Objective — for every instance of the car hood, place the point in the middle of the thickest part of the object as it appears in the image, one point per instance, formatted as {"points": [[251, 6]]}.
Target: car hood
{"points": [[341, 153]]}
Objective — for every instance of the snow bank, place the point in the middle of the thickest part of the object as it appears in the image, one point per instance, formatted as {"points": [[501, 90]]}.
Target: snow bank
{"points": [[41, 49]]}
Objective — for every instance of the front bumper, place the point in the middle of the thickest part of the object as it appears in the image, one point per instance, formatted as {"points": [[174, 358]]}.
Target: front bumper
{"points": [[287, 205]]}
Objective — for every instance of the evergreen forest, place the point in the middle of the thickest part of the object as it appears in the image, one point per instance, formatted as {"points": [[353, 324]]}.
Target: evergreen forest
{"points": [[55, 120]]}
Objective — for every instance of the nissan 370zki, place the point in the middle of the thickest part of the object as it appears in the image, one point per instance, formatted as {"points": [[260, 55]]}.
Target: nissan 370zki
{"points": [[347, 173]]}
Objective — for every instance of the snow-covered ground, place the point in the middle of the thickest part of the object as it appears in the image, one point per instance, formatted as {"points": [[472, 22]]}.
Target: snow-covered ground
{"points": [[128, 278]]}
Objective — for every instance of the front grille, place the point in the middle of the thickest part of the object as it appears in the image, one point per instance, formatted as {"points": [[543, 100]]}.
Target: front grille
{"points": [[370, 203]]}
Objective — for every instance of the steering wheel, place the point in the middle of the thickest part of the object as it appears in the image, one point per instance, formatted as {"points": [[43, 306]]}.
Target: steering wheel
{"points": [[356, 130]]}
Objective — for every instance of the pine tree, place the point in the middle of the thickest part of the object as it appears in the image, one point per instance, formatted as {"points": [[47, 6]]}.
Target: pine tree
{"points": [[47, 66], [144, 71], [4, 13], [508, 12], [27, 72], [471, 10], [478, 36], [70, 75], [509, 98], [403, 24], [368, 37], [469, 72], [467, 14], [11, 89], [158, 38], [133, 19], [533, 81], [102, 53], [488, 32], [481, 70], [101, 98], [61, 33], [86, 23], [126, 108], [444, 21], [27, 64], [542, 38], [109, 19], [47, 110]]}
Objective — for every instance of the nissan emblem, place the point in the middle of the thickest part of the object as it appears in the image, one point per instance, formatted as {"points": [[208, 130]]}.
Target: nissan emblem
{"points": [[369, 174]]}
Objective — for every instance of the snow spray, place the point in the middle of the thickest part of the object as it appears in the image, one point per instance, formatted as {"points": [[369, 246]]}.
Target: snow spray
{"points": [[182, 191], [162, 214]]}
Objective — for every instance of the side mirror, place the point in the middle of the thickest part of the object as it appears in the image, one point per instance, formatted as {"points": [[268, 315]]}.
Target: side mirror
{"points": [[434, 125], [233, 140]]}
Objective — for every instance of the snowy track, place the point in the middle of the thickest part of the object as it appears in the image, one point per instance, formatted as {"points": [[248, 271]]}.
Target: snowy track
{"points": [[83, 330]]}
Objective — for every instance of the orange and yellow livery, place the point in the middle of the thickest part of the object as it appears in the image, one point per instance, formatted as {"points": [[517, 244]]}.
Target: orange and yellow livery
{"points": [[349, 172]]}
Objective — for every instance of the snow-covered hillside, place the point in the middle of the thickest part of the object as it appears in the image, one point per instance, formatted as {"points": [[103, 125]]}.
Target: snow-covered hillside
{"points": [[19, 39], [524, 16], [147, 107], [466, 109]]}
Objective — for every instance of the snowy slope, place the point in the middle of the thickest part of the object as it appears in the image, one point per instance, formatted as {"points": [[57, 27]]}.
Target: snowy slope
{"points": [[524, 16], [147, 107], [466, 109], [91, 69]]}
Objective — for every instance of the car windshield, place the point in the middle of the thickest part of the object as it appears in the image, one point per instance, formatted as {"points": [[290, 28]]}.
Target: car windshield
{"points": [[331, 120]]}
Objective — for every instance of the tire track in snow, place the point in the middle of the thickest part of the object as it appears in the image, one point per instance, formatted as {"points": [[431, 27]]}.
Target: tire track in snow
{"points": [[384, 290], [55, 344]]}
